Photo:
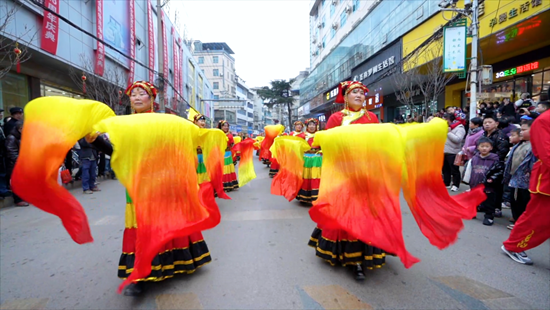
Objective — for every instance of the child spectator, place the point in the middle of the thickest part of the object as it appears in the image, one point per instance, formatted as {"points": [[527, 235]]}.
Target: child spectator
{"points": [[507, 197], [486, 169], [475, 132], [518, 171]]}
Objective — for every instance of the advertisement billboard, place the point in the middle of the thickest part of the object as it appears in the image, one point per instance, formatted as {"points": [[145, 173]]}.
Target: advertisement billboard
{"points": [[116, 28]]}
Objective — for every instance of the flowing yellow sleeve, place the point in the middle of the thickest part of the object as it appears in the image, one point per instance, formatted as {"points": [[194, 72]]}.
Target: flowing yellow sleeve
{"points": [[154, 158], [213, 143], [289, 153], [52, 127], [271, 132], [246, 165]]}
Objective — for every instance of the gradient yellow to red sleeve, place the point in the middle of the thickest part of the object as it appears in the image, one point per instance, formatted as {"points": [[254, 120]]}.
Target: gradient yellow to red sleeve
{"points": [[154, 158], [289, 153], [52, 127], [271, 132], [213, 143], [364, 169], [246, 165]]}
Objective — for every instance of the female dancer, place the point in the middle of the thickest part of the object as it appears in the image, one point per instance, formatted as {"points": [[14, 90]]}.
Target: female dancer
{"points": [[229, 176], [298, 130], [312, 166], [200, 121], [180, 255], [336, 245]]}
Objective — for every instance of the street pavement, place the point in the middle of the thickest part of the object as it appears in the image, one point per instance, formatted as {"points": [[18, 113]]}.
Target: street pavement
{"points": [[260, 261]]}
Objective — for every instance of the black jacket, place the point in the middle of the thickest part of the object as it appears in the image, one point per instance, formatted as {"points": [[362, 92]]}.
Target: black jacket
{"points": [[508, 110], [501, 144], [87, 150], [495, 174], [13, 143], [9, 125], [103, 146]]}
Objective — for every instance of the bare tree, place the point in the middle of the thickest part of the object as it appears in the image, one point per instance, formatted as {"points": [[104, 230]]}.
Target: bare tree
{"points": [[108, 88], [432, 80], [13, 47], [405, 82]]}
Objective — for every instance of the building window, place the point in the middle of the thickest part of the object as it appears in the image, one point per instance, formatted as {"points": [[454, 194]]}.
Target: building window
{"points": [[323, 22], [215, 59], [14, 91], [332, 9], [324, 41], [201, 60], [355, 5], [332, 33], [322, 3], [216, 72], [343, 18], [216, 97], [216, 85]]}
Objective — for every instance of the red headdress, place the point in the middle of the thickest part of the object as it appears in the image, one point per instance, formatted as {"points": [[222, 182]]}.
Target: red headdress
{"points": [[220, 123], [298, 123], [148, 87], [345, 87], [309, 120], [197, 117]]}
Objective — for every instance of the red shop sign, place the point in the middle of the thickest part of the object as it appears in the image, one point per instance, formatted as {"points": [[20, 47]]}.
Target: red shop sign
{"points": [[151, 39], [132, 41], [100, 52], [50, 27]]}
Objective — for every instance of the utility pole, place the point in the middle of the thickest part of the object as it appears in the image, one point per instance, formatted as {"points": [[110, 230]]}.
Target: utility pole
{"points": [[161, 55], [473, 62]]}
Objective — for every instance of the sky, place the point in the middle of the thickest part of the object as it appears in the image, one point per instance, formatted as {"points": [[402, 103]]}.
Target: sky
{"points": [[270, 38]]}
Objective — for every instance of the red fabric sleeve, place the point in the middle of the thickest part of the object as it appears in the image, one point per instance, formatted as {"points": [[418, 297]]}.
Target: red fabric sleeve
{"points": [[334, 120]]}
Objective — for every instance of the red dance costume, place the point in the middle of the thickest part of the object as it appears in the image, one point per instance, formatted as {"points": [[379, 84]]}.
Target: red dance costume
{"points": [[533, 226]]}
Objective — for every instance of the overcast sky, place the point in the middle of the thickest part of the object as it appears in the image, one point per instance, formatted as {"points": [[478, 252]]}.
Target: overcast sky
{"points": [[270, 38]]}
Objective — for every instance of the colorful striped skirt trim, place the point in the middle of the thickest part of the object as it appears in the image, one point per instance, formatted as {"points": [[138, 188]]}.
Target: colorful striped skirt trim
{"points": [[274, 168], [202, 176], [180, 255], [335, 246], [229, 176], [312, 178]]}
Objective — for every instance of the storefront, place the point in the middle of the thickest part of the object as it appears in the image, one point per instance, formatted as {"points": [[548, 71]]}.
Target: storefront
{"points": [[14, 91], [374, 73]]}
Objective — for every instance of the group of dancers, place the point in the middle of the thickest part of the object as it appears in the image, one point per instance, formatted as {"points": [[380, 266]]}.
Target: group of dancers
{"points": [[187, 254]]}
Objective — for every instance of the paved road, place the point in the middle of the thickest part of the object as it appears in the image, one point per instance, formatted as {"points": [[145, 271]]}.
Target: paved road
{"points": [[260, 261]]}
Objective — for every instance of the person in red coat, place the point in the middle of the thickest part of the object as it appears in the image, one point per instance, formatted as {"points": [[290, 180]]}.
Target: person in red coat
{"points": [[335, 245], [533, 226]]}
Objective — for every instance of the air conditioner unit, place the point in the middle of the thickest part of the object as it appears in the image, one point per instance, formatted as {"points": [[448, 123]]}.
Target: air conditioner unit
{"points": [[319, 45], [334, 2], [335, 25], [221, 74], [348, 9], [319, 25], [314, 40]]}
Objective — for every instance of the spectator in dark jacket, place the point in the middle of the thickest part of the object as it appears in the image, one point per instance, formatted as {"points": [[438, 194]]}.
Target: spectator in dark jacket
{"points": [[88, 161], [16, 115], [486, 169], [506, 126], [508, 109], [13, 143], [501, 144]]}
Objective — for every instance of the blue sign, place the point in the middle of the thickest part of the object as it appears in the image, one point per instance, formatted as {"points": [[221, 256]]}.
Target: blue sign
{"points": [[232, 128], [239, 128]]}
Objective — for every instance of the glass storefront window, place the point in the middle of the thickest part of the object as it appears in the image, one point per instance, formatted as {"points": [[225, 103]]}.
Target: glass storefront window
{"points": [[497, 91], [14, 91], [537, 84], [47, 91], [521, 86]]}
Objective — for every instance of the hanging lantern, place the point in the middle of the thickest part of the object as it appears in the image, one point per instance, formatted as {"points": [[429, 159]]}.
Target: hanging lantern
{"points": [[120, 97], [83, 83], [17, 52]]}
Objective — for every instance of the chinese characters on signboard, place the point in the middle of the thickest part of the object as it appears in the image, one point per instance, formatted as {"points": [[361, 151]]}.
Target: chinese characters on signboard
{"points": [[132, 41], [151, 39], [375, 69], [514, 12], [518, 69], [50, 27], [454, 57]]}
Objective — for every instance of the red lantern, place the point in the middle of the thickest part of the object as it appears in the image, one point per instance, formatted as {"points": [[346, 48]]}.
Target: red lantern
{"points": [[83, 83], [17, 53], [120, 97]]}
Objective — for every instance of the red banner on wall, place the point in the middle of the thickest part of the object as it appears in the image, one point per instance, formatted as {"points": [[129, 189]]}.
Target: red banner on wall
{"points": [[165, 69], [180, 84], [100, 52], [151, 39], [131, 4], [50, 27], [176, 69]]}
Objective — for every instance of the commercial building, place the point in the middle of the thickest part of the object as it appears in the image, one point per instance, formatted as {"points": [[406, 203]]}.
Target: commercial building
{"points": [[370, 42], [124, 46]]}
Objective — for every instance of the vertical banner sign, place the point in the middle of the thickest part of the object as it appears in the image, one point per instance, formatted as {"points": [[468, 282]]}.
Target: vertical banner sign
{"points": [[151, 39], [100, 51], [180, 68], [165, 69], [50, 27], [131, 4], [454, 49], [176, 71]]}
